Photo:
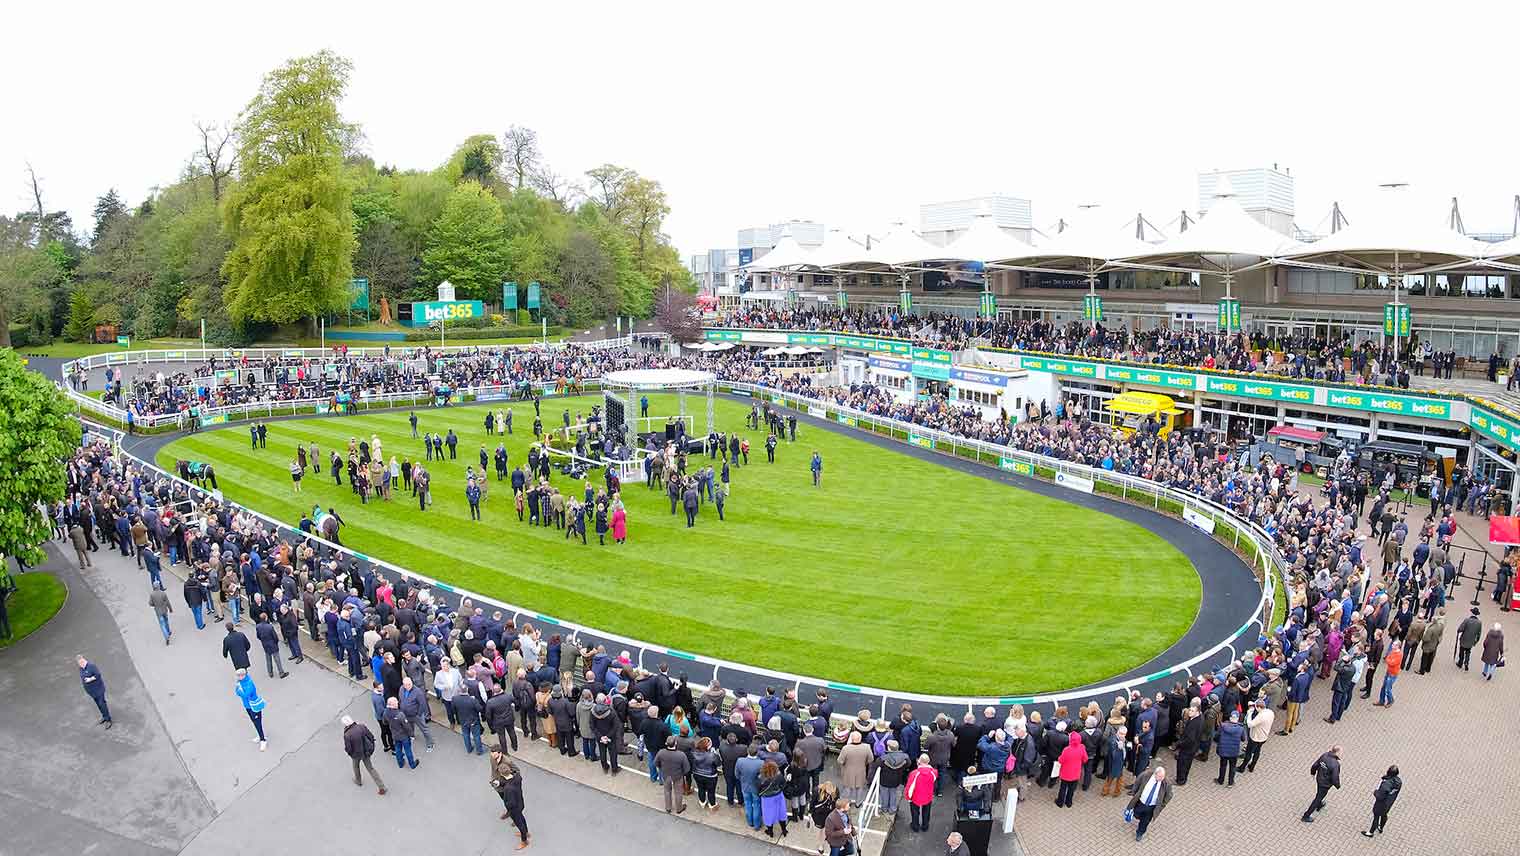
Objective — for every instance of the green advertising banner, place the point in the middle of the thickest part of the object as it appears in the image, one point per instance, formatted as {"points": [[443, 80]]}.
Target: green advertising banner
{"points": [[869, 343], [933, 355], [1229, 314], [723, 335], [932, 363], [1153, 377], [358, 292], [905, 301], [1252, 388], [213, 419], [1071, 367], [930, 371], [845, 420], [1023, 468], [988, 307], [918, 440], [844, 300], [816, 339], [509, 297], [1400, 405], [1495, 427], [124, 341], [532, 295], [1396, 317], [1092, 307]]}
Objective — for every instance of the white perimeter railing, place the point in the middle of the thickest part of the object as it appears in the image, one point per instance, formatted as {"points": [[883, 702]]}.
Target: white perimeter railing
{"points": [[1247, 538]]}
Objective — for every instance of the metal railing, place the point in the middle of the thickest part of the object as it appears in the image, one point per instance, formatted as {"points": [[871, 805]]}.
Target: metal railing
{"points": [[870, 806], [1256, 542]]}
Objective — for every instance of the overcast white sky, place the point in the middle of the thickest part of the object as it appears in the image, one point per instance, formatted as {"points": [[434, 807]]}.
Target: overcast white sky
{"points": [[849, 113]]}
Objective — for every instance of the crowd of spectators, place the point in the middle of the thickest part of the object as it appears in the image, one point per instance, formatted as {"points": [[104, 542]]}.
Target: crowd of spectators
{"points": [[1302, 356], [229, 381]]}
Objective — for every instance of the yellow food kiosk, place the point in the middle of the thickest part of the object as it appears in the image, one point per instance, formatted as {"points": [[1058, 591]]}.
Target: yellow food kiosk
{"points": [[1128, 411]]}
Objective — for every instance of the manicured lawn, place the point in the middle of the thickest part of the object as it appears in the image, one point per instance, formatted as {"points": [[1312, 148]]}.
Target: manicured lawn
{"points": [[37, 598], [74, 350], [896, 573]]}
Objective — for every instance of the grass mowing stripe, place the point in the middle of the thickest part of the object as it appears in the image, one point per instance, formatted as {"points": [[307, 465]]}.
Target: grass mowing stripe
{"points": [[842, 581]]}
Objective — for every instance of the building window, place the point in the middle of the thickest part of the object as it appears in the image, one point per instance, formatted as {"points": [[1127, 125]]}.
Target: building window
{"points": [[972, 396]]}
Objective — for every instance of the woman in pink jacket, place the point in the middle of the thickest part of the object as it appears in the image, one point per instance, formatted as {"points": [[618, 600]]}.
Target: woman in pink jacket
{"points": [[920, 793], [619, 525], [1073, 759]]}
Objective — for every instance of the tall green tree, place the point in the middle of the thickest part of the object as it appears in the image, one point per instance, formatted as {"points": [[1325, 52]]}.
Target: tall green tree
{"points": [[81, 323], [587, 290], [476, 159], [420, 197], [108, 209], [382, 258], [38, 431], [290, 216], [468, 244]]}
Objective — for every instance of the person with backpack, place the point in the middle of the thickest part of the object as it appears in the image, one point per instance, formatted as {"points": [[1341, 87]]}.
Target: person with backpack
{"points": [[359, 744], [1383, 798]]}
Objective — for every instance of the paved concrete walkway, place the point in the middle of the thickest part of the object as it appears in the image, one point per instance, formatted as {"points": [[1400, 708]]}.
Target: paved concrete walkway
{"points": [[179, 772]]}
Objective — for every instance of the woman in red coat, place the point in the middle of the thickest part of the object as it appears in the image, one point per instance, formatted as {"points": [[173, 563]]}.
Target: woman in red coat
{"points": [[619, 525], [1073, 759], [921, 793]]}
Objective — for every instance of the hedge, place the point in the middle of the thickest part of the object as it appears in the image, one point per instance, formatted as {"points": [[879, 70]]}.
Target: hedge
{"points": [[461, 334]]}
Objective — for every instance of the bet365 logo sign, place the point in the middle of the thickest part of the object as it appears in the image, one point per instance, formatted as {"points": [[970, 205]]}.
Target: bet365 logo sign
{"points": [[448, 311]]}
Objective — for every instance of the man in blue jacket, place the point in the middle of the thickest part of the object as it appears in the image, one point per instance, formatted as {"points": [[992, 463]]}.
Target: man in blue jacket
{"points": [[1230, 739], [1298, 694], [348, 642], [94, 687], [747, 771]]}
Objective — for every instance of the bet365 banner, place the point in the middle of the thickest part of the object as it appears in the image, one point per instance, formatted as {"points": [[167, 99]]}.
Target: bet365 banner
{"points": [[1229, 314], [1092, 307], [1396, 320]]}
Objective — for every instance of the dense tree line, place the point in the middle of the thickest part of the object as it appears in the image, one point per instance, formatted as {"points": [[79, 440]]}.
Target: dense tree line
{"points": [[274, 214]]}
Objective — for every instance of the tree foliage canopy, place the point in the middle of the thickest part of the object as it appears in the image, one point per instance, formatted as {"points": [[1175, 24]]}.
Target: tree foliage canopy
{"points": [[468, 244], [275, 213], [38, 432], [290, 215]]}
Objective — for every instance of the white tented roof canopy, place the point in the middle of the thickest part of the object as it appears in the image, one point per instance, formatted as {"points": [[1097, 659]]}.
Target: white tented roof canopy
{"points": [[838, 250], [786, 255], [902, 247], [983, 242], [1224, 238], [1392, 227], [1089, 242], [658, 379], [1504, 251]]}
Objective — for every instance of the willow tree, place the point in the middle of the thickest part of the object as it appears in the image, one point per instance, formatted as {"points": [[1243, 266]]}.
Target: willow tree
{"points": [[290, 215]]}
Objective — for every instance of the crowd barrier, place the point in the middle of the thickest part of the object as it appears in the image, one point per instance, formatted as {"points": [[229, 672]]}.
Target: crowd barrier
{"points": [[1246, 538]]}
